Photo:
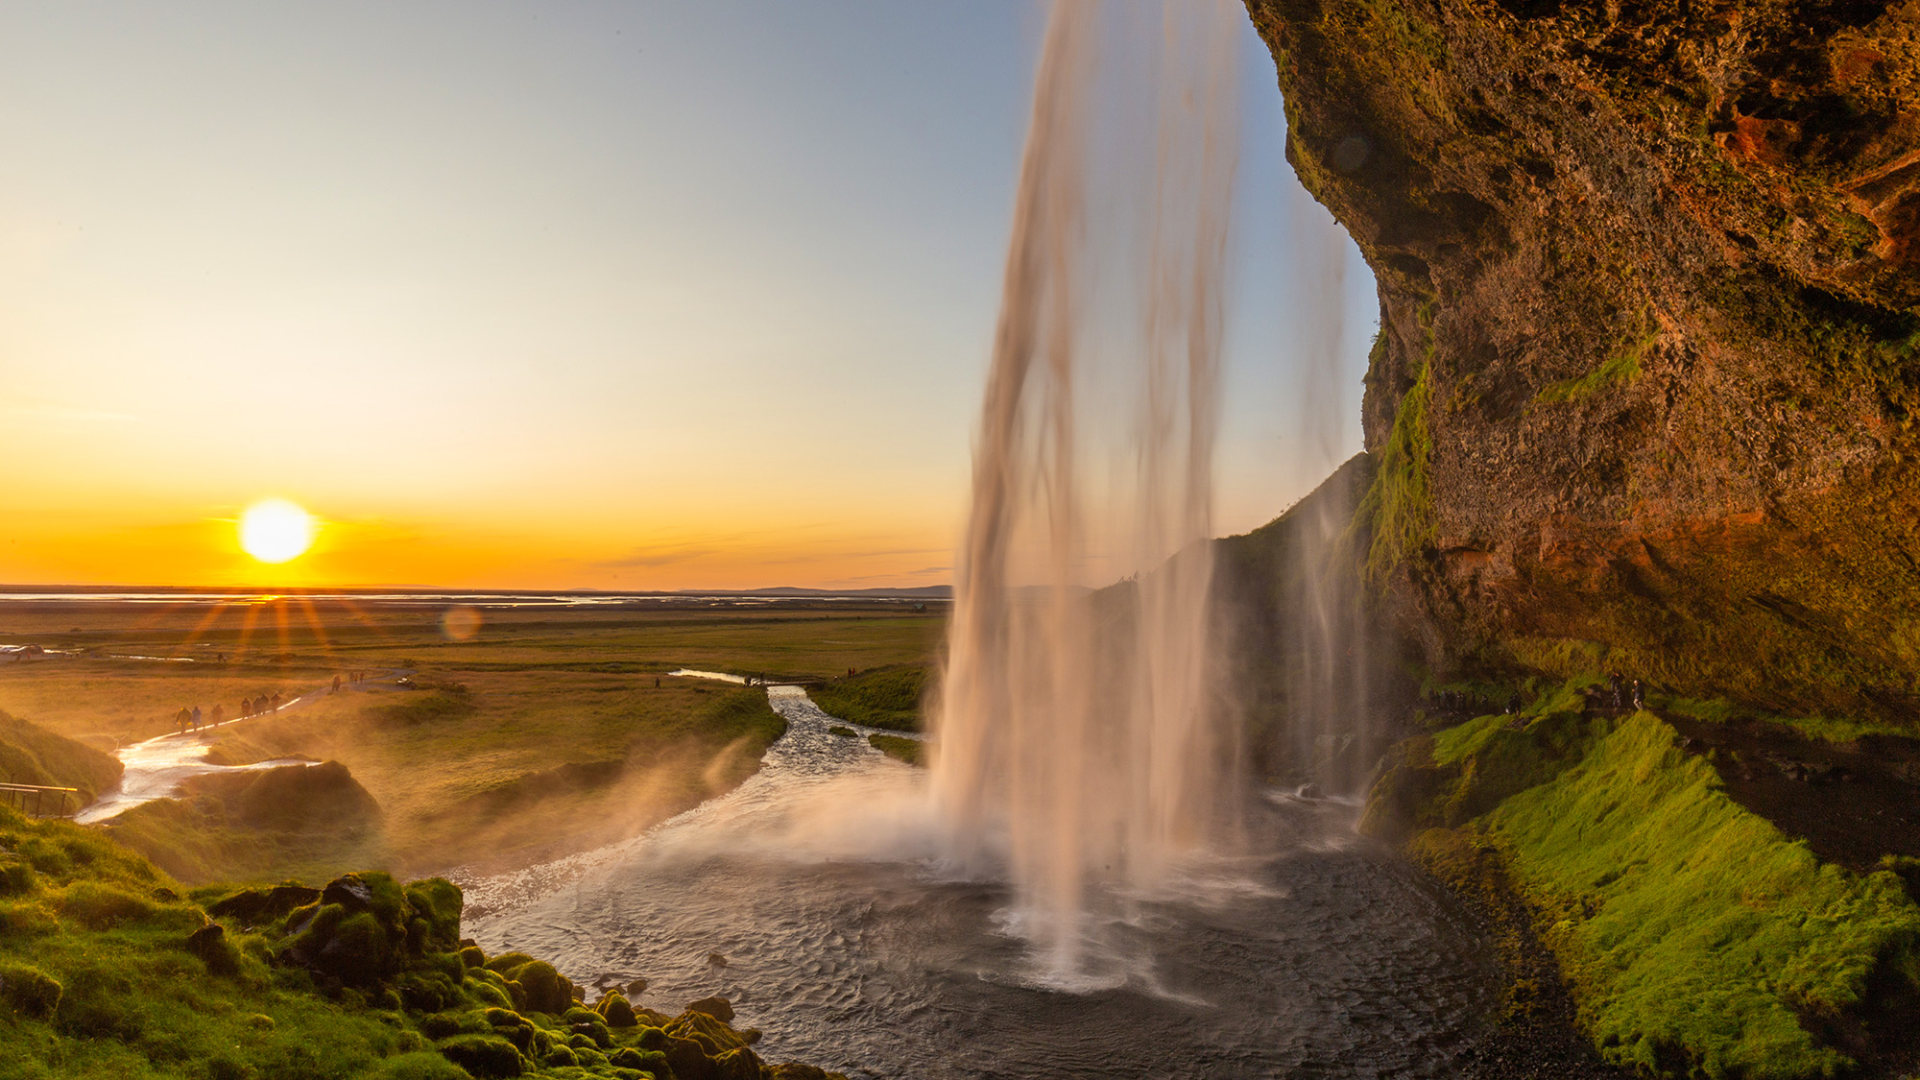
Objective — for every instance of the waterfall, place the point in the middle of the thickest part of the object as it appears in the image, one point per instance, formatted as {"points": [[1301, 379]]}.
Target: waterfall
{"points": [[1078, 743]]}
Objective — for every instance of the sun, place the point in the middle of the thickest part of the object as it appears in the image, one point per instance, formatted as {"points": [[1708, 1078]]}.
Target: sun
{"points": [[275, 530]]}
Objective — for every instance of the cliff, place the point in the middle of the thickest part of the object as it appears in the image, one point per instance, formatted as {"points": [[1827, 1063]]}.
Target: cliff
{"points": [[1645, 390]]}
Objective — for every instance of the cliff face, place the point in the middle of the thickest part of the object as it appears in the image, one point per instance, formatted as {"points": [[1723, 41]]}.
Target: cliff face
{"points": [[1646, 388]]}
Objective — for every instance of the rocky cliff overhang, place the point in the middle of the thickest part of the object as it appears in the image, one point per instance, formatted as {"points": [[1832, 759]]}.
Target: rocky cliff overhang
{"points": [[1645, 391]]}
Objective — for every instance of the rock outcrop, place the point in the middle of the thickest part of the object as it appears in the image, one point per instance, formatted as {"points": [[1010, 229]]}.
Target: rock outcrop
{"points": [[1645, 391]]}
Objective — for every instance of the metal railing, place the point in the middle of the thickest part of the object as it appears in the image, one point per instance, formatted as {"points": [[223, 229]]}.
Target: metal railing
{"points": [[33, 799]]}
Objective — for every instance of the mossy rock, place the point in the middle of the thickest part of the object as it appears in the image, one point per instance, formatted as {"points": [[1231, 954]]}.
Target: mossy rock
{"points": [[560, 1057], [211, 945], [717, 1007], [484, 1056], [429, 991], [420, 1065], [487, 993], [473, 957], [28, 991], [545, 990], [261, 907], [515, 1028], [448, 1025], [741, 1064], [628, 1057], [438, 902], [616, 1012]]}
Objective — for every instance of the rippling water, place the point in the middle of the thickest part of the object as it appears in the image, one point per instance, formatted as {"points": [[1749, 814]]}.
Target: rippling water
{"points": [[847, 944]]}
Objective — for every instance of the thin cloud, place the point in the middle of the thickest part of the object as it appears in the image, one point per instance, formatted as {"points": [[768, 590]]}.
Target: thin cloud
{"points": [[658, 558]]}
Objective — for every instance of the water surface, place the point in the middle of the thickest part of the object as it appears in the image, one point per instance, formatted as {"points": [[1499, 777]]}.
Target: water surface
{"points": [[813, 898]]}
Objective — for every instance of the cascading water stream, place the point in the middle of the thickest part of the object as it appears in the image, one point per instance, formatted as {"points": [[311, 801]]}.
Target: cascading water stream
{"points": [[1078, 745]]}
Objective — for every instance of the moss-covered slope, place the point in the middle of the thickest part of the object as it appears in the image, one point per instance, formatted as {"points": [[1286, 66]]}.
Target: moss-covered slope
{"points": [[1693, 935], [1648, 378]]}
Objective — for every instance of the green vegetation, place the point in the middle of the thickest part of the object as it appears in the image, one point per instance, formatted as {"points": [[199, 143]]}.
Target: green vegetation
{"points": [[259, 826], [1397, 506], [1831, 729], [1686, 923], [525, 768], [900, 748], [1693, 935], [888, 697], [111, 971], [30, 754], [843, 731], [1617, 370]]}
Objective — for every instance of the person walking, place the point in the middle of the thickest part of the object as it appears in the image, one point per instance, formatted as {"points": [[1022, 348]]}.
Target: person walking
{"points": [[218, 716], [246, 707], [336, 684], [196, 718], [182, 718]]}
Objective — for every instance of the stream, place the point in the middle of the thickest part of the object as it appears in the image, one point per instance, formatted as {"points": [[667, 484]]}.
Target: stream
{"points": [[813, 896]]}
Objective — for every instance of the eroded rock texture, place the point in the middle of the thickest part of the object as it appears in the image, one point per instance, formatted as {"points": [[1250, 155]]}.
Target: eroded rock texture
{"points": [[1650, 275]]}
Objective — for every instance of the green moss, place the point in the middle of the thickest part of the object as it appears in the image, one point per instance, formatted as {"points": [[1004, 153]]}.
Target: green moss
{"points": [[420, 1065], [1620, 369], [1398, 505], [484, 1055], [1685, 925], [28, 991], [1825, 728]]}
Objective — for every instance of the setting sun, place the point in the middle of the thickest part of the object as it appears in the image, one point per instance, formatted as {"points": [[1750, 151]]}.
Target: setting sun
{"points": [[275, 530]]}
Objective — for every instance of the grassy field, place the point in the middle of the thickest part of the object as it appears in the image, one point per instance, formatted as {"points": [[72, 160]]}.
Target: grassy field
{"points": [[889, 697], [546, 731]]}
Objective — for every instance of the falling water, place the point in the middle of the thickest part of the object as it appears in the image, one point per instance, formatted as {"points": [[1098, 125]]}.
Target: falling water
{"points": [[1326, 637], [1077, 742]]}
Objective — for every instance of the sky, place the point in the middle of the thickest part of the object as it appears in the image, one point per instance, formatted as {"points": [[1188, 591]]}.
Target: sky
{"points": [[616, 295]]}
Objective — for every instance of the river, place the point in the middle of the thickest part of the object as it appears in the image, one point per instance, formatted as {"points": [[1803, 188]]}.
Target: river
{"points": [[813, 897]]}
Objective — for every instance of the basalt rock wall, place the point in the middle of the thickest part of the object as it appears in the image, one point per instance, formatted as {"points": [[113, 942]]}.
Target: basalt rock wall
{"points": [[1645, 391]]}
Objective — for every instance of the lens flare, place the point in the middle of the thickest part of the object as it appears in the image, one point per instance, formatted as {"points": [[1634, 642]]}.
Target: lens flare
{"points": [[275, 530]]}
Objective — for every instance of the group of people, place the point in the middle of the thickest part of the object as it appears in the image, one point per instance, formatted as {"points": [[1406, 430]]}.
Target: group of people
{"points": [[351, 676], [192, 719], [1623, 692], [262, 704]]}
